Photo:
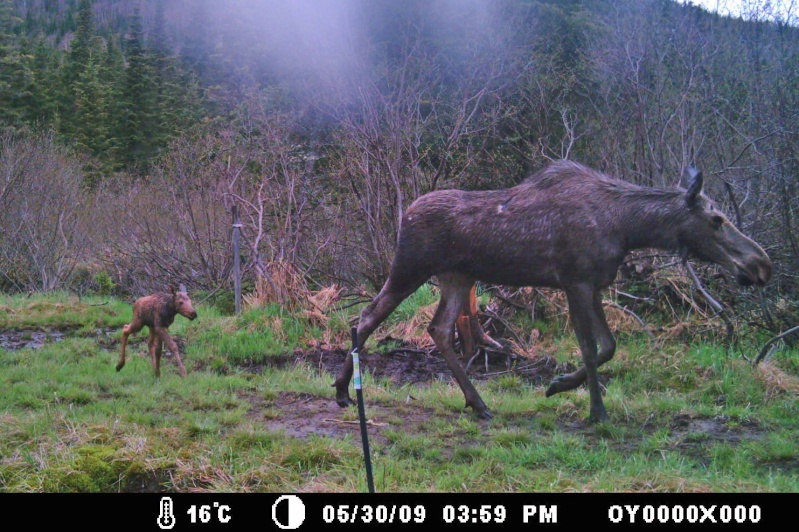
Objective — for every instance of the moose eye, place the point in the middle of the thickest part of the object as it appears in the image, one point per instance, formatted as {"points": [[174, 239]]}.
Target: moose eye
{"points": [[717, 221]]}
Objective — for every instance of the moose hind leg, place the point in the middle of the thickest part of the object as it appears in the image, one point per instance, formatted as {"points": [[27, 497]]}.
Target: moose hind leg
{"points": [[454, 294], [371, 317], [607, 348], [154, 348]]}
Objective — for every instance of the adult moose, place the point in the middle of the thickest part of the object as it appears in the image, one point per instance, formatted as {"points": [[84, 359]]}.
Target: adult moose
{"points": [[566, 227], [157, 312]]}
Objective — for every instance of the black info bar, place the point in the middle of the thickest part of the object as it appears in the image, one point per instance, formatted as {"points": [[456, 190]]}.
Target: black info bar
{"points": [[395, 511]]}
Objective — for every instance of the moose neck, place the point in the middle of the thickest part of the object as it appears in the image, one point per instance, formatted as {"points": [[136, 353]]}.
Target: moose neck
{"points": [[651, 218]]}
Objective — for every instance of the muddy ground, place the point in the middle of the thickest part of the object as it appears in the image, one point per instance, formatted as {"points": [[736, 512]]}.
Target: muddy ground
{"points": [[25, 339], [303, 415]]}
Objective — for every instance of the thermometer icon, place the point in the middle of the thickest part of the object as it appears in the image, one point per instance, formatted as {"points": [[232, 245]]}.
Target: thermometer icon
{"points": [[166, 519]]}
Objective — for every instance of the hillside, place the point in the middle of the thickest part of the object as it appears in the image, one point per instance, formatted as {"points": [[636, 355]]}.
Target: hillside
{"points": [[323, 121]]}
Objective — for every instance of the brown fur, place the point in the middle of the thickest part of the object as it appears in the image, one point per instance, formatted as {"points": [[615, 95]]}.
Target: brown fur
{"points": [[566, 227], [157, 312]]}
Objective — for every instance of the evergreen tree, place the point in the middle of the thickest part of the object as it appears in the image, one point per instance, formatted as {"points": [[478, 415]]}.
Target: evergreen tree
{"points": [[113, 71], [91, 115], [138, 133], [176, 102], [45, 69], [83, 48], [15, 74], [83, 44]]}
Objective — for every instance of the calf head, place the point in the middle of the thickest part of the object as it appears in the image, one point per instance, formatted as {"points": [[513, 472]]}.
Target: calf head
{"points": [[183, 303]]}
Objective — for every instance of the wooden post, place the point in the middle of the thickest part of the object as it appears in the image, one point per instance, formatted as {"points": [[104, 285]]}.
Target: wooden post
{"points": [[236, 259]]}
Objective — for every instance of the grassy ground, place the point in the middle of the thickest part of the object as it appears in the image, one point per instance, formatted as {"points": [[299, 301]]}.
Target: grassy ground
{"points": [[253, 414]]}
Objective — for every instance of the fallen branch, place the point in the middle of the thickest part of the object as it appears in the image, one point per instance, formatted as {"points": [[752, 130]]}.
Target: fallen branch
{"points": [[721, 310], [508, 301], [354, 422], [634, 315], [404, 351], [765, 351], [494, 315], [625, 294], [522, 369]]}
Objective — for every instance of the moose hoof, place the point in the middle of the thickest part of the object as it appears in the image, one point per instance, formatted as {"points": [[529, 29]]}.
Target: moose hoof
{"points": [[481, 410], [560, 384], [598, 416], [554, 387], [485, 414], [344, 403], [343, 399], [120, 366]]}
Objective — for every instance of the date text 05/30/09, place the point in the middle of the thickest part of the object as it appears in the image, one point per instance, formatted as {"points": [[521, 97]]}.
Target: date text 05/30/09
{"points": [[367, 513]]}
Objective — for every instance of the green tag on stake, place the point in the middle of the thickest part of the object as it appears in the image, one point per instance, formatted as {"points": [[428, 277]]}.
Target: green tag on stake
{"points": [[356, 367]]}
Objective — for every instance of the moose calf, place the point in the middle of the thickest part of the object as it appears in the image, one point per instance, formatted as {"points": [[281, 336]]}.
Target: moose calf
{"points": [[157, 312]]}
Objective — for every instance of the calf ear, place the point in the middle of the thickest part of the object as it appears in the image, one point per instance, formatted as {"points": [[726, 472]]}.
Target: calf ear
{"points": [[172, 289], [692, 181], [182, 288]]}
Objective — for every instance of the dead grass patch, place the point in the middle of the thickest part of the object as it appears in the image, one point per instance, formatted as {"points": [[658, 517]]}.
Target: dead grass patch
{"points": [[776, 380]]}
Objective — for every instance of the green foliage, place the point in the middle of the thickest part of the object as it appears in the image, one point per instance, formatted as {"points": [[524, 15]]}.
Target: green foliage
{"points": [[255, 337], [15, 73], [425, 296], [104, 283], [70, 423]]}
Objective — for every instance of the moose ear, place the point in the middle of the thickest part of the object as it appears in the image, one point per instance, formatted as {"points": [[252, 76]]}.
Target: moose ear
{"points": [[172, 289], [182, 288], [692, 181]]}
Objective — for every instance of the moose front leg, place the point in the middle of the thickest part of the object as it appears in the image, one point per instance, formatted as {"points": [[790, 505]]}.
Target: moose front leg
{"points": [[371, 317], [131, 328], [607, 348], [584, 319]]}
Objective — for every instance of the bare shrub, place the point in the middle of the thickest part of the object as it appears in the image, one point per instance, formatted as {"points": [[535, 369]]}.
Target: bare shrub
{"points": [[42, 213], [170, 228]]}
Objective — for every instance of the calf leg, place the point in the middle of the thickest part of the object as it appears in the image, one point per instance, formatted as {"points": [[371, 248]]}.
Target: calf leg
{"points": [[173, 347], [470, 332], [454, 295], [154, 347], [607, 348], [131, 328], [371, 317], [467, 325]]}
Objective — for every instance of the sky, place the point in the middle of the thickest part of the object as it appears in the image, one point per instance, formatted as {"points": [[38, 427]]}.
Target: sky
{"points": [[785, 10]]}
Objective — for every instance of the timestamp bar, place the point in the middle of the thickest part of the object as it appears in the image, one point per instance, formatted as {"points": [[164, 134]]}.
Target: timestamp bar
{"points": [[406, 511]]}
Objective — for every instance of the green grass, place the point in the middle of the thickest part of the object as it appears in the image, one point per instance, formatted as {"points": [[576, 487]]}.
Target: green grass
{"points": [[62, 311], [682, 417]]}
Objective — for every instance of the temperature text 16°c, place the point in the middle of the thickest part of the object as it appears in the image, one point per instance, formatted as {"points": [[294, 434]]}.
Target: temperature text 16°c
{"points": [[206, 512]]}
